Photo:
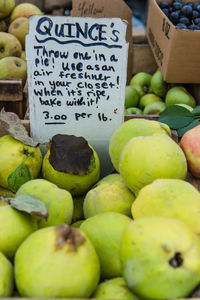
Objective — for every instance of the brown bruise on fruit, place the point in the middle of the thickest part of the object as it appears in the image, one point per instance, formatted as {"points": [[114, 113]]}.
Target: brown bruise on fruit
{"points": [[176, 261], [70, 154], [70, 236]]}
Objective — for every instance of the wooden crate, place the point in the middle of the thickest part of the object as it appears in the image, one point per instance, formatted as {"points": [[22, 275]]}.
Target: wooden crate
{"points": [[12, 96]]}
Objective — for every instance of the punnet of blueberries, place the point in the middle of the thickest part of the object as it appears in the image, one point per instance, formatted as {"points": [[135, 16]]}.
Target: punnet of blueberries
{"points": [[184, 15]]}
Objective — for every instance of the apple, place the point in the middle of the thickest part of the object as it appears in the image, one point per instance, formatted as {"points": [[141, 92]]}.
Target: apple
{"points": [[105, 231], [58, 201], [114, 288], [131, 96], [24, 10], [13, 154], [5, 191], [13, 67], [130, 129], [6, 7], [72, 164], [7, 277], [111, 178], [160, 258], [154, 108], [190, 144], [186, 106], [147, 99], [147, 158], [3, 25], [77, 223], [158, 85], [108, 197], [141, 82], [20, 28], [56, 262], [15, 226], [133, 111], [170, 198], [9, 45], [179, 94]]}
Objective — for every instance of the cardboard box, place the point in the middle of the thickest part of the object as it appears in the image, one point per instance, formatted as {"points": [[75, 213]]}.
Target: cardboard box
{"points": [[176, 50]]}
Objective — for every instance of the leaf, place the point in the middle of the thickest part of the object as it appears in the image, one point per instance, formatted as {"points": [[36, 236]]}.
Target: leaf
{"points": [[29, 204], [6, 196], [176, 116], [181, 131], [11, 124], [21, 175], [196, 111]]}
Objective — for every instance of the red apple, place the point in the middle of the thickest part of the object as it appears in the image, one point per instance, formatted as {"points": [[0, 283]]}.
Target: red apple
{"points": [[190, 144]]}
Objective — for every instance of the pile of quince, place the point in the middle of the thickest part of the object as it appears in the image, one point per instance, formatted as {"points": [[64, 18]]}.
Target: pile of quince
{"points": [[67, 232], [149, 94], [14, 26]]}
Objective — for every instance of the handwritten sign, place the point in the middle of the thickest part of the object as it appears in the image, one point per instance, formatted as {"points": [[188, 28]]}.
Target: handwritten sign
{"points": [[76, 77]]}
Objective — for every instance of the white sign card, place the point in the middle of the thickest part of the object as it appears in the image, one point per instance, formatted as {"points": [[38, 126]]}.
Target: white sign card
{"points": [[76, 78]]}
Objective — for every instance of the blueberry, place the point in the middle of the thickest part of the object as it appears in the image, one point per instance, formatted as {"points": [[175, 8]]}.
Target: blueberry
{"points": [[164, 4], [193, 27], [181, 1], [196, 4], [198, 8], [177, 5], [174, 17], [184, 20], [186, 10], [166, 11], [196, 21], [195, 14], [181, 26], [190, 4]]}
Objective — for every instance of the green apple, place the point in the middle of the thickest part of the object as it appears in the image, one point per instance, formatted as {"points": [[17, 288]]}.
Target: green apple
{"points": [[111, 178], [3, 25], [108, 197], [133, 111], [158, 85], [15, 226], [9, 45], [56, 262], [131, 96], [105, 231], [154, 108], [13, 154], [179, 95], [147, 99], [77, 223], [147, 158], [114, 288], [72, 164], [6, 7], [129, 129], [170, 198], [13, 67], [58, 201], [6, 277], [24, 10], [160, 258], [5, 191], [20, 28], [141, 82]]}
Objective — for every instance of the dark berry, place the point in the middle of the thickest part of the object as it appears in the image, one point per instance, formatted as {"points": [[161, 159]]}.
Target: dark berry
{"points": [[193, 27], [198, 8], [174, 17], [186, 10], [181, 26], [177, 5], [196, 4], [190, 4], [164, 4], [166, 11], [184, 20], [196, 21], [195, 14], [181, 1]]}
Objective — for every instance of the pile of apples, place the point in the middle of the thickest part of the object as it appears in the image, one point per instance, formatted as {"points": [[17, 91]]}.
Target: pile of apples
{"points": [[149, 94], [66, 232], [14, 26]]}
